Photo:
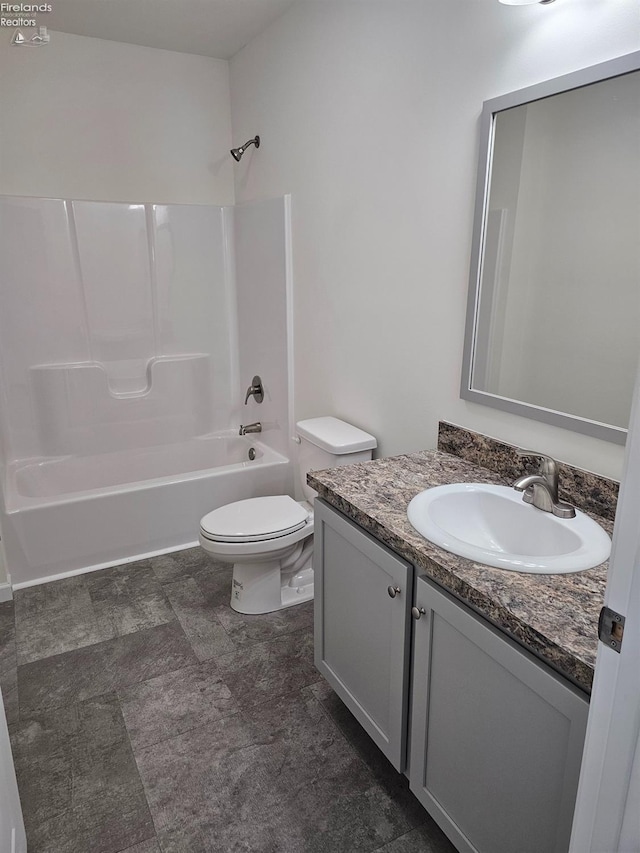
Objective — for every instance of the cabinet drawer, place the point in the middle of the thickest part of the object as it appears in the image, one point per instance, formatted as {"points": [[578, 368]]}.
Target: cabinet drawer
{"points": [[362, 633]]}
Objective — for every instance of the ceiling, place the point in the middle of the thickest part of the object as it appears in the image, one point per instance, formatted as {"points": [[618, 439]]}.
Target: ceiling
{"points": [[217, 28]]}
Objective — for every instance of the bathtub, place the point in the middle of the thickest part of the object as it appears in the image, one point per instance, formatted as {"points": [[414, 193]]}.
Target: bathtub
{"points": [[70, 514]]}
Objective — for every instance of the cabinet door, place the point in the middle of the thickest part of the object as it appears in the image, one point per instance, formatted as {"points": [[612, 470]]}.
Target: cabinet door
{"points": [[496, 737], [361, 631]]}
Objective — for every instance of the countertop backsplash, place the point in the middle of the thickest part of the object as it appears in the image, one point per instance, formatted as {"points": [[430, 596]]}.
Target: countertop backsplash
{"points": [[584, 490]]}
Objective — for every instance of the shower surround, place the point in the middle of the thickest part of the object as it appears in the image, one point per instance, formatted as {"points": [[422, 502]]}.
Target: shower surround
{"points": [[128, 333]]}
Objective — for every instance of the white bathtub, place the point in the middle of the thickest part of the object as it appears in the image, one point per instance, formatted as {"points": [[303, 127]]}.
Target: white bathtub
{"points": [[72, 514]]}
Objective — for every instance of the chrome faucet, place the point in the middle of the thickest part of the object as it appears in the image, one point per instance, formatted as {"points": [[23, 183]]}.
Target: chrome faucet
{"points": [[246, 428], [541, 489]]}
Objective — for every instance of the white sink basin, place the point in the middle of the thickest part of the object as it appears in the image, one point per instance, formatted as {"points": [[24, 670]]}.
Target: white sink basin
{"points": [[492, 525]]}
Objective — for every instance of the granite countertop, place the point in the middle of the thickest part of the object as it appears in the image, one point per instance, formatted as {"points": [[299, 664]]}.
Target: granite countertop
{"points": [[554, 616]]}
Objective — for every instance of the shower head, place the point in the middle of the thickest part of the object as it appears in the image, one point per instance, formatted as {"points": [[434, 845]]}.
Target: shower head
{"points": [[237, 153]]}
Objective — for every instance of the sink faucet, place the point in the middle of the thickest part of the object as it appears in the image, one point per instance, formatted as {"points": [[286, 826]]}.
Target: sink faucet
{"points": [[246, 428], [541, 489]]}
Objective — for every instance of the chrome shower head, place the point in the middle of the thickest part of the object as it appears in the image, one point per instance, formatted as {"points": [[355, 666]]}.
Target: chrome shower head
{"points": [[237, 153]]}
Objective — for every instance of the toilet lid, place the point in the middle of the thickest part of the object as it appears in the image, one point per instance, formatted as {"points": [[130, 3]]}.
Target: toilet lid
{"points": [[254, 519]]}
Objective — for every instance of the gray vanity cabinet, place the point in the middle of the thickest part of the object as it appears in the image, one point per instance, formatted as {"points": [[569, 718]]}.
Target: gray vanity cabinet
{"points": [[363, 597], [497, 736]]}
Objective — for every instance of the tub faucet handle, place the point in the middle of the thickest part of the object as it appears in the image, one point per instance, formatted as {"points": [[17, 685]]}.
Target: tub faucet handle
{"points": [[255, 390]]}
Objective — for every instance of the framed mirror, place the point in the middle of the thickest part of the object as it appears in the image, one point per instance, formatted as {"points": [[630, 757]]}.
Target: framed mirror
{"points": [[553, 317]]}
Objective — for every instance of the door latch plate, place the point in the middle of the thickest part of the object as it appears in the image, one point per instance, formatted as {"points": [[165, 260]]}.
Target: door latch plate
{"points": [[611, 628]]}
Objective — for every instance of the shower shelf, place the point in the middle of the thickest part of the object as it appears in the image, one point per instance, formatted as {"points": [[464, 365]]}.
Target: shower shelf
{"points": [[81, 408]]}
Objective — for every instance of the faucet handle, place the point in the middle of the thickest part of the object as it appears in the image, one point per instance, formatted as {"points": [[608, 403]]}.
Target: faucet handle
{"points": [[255, 390], [549, 465], [532, 453]]}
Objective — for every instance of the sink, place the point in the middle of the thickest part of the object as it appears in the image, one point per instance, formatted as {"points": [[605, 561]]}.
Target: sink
{"points": [[492, 525]]}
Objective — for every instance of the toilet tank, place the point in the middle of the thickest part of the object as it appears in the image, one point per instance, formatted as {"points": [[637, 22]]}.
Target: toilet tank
{"points": [[327, 443]]}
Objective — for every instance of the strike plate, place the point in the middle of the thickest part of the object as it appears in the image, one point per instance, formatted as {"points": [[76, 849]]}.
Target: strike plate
{"points": [[611, 628]]}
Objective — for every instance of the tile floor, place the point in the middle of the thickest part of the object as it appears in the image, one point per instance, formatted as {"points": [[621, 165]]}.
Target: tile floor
{"points": [[146, 716]]}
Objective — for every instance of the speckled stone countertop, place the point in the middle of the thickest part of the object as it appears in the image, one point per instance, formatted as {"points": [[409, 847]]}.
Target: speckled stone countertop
{"points": [[554, 616]]}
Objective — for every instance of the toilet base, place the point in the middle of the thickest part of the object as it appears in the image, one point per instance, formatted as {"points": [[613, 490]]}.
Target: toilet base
{"points": [[263, 588]]}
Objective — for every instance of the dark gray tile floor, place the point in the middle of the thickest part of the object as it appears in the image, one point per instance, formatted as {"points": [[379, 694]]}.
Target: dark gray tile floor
{"points": [[146, 716]]}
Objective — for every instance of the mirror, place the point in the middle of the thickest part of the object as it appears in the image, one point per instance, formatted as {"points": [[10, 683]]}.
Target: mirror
{"points": [[553, 318]]}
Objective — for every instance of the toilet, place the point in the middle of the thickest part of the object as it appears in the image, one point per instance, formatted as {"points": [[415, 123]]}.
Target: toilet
{"points": [[269, 540]]}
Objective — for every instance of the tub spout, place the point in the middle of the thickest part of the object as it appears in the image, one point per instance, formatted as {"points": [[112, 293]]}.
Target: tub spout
{"points": [[247, 428]]}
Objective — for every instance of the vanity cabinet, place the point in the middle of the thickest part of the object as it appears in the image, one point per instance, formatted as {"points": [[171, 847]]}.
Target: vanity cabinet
{"points": [[363, 594], [496, 736]]}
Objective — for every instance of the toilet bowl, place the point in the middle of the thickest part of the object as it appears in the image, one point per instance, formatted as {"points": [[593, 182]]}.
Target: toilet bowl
{"points": [[269, 540]]}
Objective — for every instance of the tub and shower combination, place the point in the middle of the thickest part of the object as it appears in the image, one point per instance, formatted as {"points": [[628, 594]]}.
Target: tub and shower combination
{"points": [[127, 336]]}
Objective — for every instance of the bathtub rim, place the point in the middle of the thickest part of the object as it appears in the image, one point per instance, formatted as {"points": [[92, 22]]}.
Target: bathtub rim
{"points": [[269, 458]]}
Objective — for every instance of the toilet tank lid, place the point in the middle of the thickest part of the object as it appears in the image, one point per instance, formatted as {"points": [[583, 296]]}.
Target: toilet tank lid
{"points": [[335, 436]]}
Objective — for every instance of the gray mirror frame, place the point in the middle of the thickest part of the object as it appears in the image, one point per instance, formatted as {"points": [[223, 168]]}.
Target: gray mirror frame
{"points": [[594, 74]]}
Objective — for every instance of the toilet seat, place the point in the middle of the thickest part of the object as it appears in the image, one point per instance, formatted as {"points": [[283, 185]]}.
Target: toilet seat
{"points": [[255, 520]]}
